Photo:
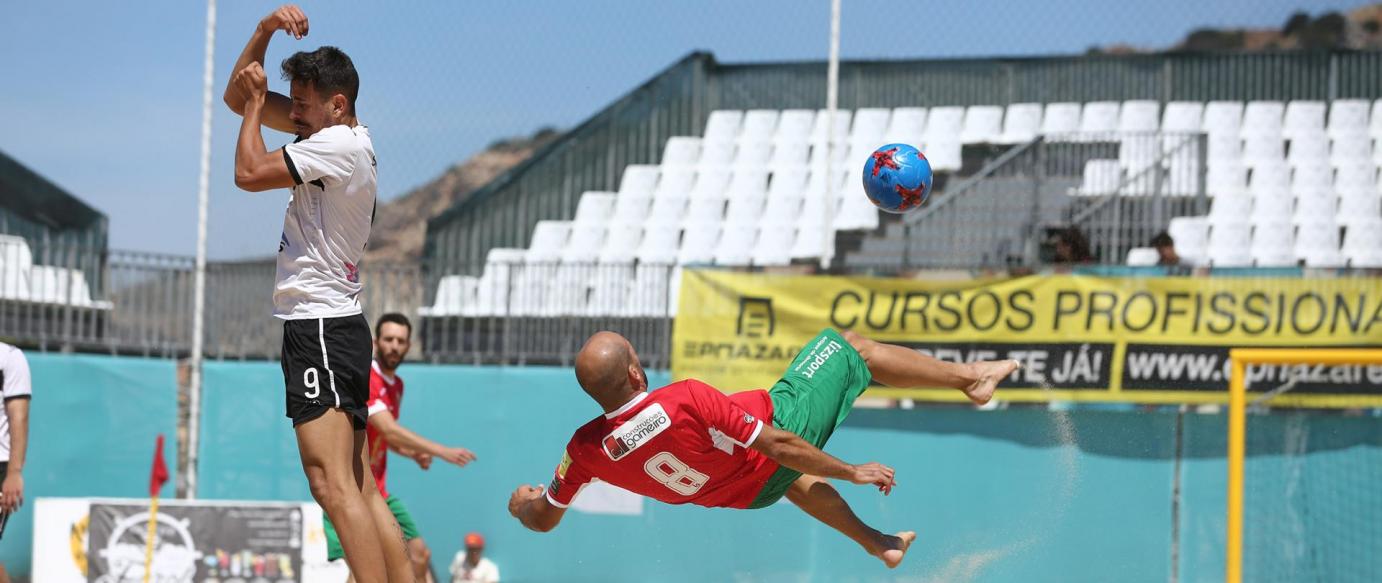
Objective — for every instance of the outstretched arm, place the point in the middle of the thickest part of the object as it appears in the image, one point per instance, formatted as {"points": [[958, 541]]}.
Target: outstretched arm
{"points": [[793, 452], [530, 506], [401, 437], [288, 18]]}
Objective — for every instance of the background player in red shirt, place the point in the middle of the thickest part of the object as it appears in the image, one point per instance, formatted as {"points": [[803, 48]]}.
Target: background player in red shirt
{"points": [[689, 443], [392, 340]]}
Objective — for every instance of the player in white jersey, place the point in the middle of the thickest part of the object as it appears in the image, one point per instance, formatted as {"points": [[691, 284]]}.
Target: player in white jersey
{"points": [[15, 389], [326, 340]]}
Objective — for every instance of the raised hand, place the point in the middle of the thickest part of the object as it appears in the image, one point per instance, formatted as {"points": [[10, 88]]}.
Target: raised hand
{"points": [[457, 455], [523, 495], [251, 82], [876, 474], [288, 18]]}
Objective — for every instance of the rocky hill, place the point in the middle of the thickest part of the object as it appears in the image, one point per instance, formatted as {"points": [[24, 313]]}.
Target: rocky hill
{"points": [[401, 224], [1360, 28]]}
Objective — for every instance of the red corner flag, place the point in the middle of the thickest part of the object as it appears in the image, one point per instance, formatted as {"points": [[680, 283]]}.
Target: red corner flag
{"points": [[159, 475]]}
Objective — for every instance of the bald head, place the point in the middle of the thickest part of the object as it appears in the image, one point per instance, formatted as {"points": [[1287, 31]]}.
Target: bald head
{"points": [[608, 369]]}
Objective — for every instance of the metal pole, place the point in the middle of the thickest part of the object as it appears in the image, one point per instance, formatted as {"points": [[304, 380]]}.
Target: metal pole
{"points": [[832, 103], [1237, 435], [199, 279]]}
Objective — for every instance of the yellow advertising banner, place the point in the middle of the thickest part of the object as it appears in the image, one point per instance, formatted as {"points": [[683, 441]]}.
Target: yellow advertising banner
{"points": [[1141, 340]]}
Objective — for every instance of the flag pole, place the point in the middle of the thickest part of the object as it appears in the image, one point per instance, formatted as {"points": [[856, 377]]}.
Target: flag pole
{"points": [[157, 476]]}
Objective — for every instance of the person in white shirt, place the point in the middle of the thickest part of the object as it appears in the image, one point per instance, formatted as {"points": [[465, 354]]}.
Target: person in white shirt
{"points": [[326, 340], [16, 388], [470, 566]]}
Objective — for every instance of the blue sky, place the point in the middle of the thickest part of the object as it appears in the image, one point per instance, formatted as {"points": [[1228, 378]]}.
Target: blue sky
{"points": [[104, 98]]}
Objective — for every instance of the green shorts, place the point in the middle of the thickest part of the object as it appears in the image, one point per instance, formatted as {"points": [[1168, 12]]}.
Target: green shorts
{"points": [[400, 513], [813, 398]]}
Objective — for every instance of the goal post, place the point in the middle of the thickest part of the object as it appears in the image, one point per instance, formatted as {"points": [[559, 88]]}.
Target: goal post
{"points": [[1240, 359]]}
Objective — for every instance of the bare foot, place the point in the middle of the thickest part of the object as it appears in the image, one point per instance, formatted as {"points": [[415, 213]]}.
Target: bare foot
{"points": [[896, 547], [989, 373]]}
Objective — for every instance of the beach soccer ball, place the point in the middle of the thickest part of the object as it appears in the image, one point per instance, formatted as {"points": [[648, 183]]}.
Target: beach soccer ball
{"points": [[897, 178]]}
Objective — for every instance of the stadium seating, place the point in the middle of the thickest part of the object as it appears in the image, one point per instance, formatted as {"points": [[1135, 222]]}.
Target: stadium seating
{"points": [[1289, 183]]}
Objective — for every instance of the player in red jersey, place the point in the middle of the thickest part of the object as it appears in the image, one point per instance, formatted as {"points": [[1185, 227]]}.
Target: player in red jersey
{"points": [[392, 340], [690, 443]]}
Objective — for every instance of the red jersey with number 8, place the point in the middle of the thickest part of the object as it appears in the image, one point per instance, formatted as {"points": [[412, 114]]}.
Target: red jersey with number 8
{"points": [[684, 443]]}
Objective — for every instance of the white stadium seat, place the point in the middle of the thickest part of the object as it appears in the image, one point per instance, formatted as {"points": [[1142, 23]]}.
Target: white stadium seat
{"points": [[705, 210], [782, 208], [983, 124], [820, 127], [1223, 118], [1303, 118], [753, 154], [907, 126], [774, 245], [870, 124], [944, 124], [710, 183], [594, 208], [1348, 117], [1139, 116], [1230, 207], [794, 125], [1356, 177], [1314, 207], [790, 155], [1363, 243], [1142, 257], [698, 244], [1191, 238], [1351, 149], [638, 180], [631, 208], [659, 246], [1263, 119], [1317, 244], [1183, 116], [1263, 150], [1099, 120], [667, 210], [1224, 148], [747, 182], [1060, 118], [759, 126], [856, 212], [723, 126], [1272, 208], [622, 243], [1273, 245], [736, 245], [744, 210], [1357, 207], [716, 155], [609, 290], [1021, 124], [674, 183], [1226, 179], [1309, 150], [1309, 179], [944, 155], [681, 151], [584, 243], [1100, 177], [549, 238], [818, 154], [649, 293], [1229, 244]]}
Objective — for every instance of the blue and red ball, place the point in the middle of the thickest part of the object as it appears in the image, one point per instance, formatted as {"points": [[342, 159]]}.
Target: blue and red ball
{"points": [[897, 178]]}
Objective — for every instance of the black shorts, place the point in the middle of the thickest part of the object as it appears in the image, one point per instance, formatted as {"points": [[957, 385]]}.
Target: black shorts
{"points": [[326, 364]]}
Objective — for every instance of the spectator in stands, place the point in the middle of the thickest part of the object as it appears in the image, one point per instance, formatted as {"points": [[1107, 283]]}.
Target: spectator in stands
{"points": [[470, 567], [1165, 250], [14, 434], [1072, 247]]}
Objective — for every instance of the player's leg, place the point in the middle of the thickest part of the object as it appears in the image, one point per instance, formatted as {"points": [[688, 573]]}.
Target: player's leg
{"points": [[898, 366], [328, 446], [422, 559], [817, 497], [4, 576], [386, 529]]}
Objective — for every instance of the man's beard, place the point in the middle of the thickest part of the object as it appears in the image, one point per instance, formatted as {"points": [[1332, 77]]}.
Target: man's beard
{"points": [[392, 361]]}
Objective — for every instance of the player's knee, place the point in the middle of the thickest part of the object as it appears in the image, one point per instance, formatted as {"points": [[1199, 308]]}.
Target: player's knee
{"points": [[421, 554], [330, 493]]}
